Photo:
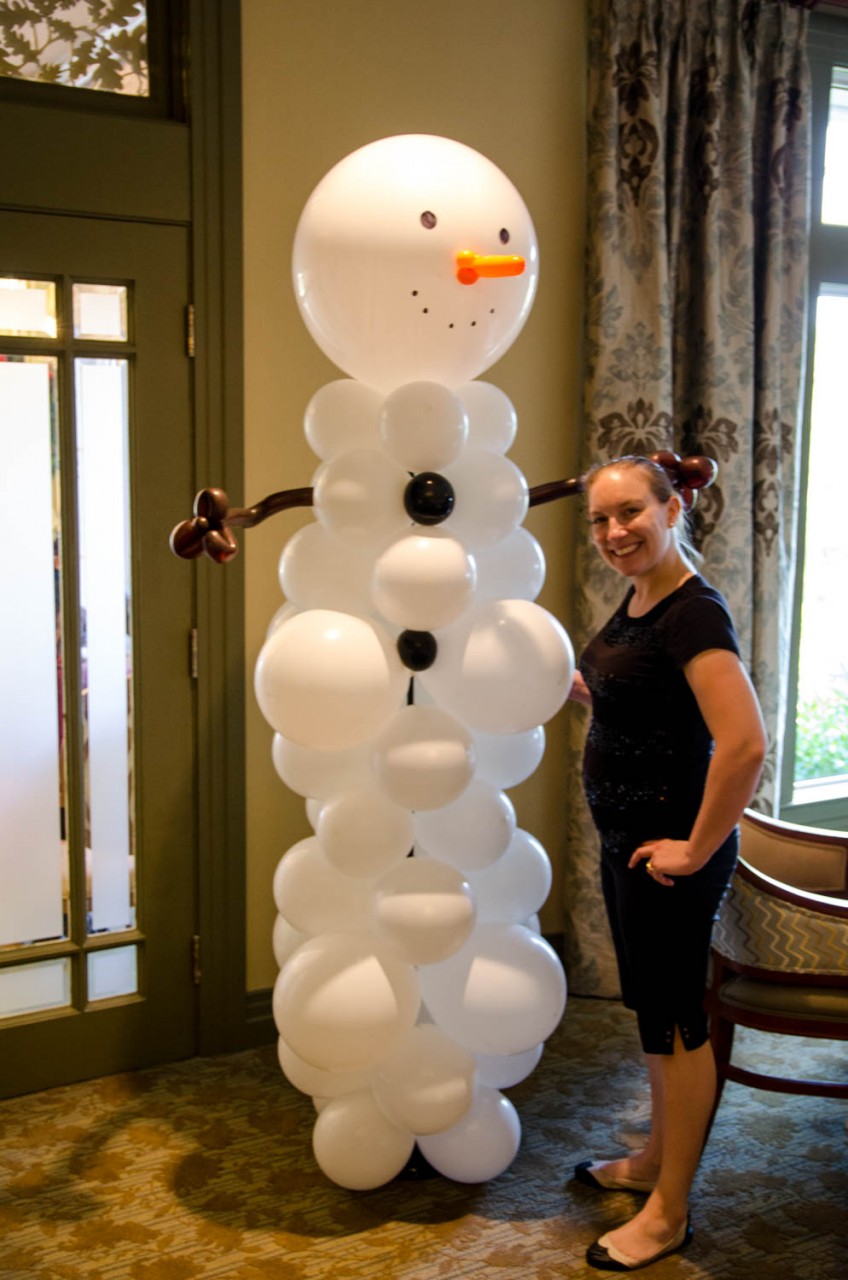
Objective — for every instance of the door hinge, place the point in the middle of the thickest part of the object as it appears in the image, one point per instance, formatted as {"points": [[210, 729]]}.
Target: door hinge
{"points": [[192, 653], [190, 338], [195, 959]]}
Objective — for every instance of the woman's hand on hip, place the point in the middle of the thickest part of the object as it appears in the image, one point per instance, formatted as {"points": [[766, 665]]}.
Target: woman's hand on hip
{"points": [[663, 859]]}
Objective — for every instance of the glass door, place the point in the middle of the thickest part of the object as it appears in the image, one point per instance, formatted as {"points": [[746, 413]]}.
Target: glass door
{"points": [[97, 769]]}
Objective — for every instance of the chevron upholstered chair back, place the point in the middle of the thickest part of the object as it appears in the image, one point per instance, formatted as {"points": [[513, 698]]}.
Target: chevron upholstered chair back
{"points": [[780, 953]]}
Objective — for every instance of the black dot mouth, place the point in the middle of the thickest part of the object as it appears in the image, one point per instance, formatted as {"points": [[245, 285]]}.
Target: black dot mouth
{"points": [[425, 311]]}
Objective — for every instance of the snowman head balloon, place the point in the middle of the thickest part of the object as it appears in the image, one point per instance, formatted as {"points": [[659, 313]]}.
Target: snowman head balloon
{"points": [[415, 258]]}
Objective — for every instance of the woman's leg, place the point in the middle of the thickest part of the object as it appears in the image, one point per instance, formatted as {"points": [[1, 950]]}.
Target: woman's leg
{"points": [[687, 1082], [644, 1165]]}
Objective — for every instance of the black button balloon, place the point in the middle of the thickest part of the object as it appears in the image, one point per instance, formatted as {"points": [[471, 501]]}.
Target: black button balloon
{"points": [[417, 649], [428, 498]]}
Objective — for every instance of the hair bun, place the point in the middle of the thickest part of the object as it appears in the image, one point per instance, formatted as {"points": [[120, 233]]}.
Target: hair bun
{"points": [[686, 474]]}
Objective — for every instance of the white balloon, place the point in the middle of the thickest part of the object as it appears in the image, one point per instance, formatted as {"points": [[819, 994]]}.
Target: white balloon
{"points": [[491, 498], [314, 896], [358, 496], [356, 1146], [492, 420], [363, 833], [472, 832], [516, 885], [315, 1081], [423, 581], [319, 571], [505, 667], [343, 415], [425, 908], [507, 759], [427, 1083], [375, 262], [501, 1070], [281, 615], [503, 992], [424, 758], [313, 811], [482, 1145], [329, 680], [345, 1000], [320, 774], [423, 426], [285, 940], [514, 569]]}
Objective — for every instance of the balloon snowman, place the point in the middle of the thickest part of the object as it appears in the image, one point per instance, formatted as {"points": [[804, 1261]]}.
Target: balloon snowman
{"points": [[408, 677], [409, 673]]}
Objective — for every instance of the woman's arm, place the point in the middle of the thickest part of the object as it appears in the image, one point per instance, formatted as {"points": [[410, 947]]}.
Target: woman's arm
{"points": [[727, 702], [579, 691]]}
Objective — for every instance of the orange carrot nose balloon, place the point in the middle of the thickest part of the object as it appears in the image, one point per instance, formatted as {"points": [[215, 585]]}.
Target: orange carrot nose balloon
{"points": [[471, 267]]}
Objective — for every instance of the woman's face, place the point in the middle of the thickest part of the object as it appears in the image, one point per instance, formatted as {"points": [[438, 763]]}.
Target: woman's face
{"points": [[631, 528]]}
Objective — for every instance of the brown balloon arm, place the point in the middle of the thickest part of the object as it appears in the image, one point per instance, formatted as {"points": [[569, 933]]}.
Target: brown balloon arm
{"points": [[556, 489], [208, 531], [247, 517]]}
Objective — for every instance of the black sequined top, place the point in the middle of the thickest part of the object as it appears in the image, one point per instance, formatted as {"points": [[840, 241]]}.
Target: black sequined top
{"points": [[648, 748]]}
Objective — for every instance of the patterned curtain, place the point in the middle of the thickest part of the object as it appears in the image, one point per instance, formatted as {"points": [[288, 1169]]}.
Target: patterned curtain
{"points": [[698, 143]]}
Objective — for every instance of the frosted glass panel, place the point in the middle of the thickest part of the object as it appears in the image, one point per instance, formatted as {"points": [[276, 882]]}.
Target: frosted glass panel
{"points": [[79, 43], [100, 311], [112, 973], [835, 181], [30, 756], [28, 988], [28, 308], [101, 401]]}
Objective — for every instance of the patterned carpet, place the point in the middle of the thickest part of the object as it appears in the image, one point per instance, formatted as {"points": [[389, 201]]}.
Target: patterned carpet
{"points": [[204, 1170]]}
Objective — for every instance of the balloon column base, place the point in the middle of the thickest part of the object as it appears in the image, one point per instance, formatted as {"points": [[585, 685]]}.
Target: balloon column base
{"points": [[417, 1169]]}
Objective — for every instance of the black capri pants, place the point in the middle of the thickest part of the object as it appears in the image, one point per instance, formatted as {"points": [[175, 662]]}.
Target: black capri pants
{"points": [[662, 937]]}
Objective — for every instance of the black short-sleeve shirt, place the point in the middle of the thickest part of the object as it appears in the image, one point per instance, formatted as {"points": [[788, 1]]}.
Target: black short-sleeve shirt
{"points": [[648, 747]]}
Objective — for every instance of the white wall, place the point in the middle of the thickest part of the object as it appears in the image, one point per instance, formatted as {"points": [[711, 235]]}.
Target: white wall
{"points": [[321, 78]]}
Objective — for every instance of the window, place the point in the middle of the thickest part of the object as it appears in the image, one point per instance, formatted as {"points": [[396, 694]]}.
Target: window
{"points": [[815, 784], [112, 56], [86, 45], [67, 744]]}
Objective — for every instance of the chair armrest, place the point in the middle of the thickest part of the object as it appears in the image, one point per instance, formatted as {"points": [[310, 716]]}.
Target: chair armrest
{"points": [[763, 924]]}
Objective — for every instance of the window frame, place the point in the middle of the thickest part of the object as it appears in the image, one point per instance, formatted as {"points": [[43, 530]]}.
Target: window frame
{"points": [[827, 47]]}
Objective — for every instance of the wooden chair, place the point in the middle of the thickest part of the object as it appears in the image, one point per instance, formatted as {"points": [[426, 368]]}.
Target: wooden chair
{"points": [[804, 857], [780, 948]]}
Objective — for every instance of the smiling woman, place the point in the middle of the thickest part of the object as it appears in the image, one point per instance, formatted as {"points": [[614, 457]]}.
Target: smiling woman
{"points": [[673, 755]]}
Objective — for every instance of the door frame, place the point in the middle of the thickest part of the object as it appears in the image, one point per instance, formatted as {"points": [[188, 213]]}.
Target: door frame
{"points": [[216, 180], [191, 176]]}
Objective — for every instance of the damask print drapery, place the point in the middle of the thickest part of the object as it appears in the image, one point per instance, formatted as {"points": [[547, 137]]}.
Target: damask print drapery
{"points": [[695, 321]]}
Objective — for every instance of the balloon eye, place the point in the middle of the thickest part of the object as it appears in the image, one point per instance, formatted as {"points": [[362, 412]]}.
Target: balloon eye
{"points": [[428, 220], [504, 235]]}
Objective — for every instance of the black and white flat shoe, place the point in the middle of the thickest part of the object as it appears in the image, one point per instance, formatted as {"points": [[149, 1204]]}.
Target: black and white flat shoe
{"points": [[591, 1174], [605, 1257]]}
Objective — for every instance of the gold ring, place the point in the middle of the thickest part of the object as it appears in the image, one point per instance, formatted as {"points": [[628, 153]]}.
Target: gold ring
{"points": [[649, 866]]}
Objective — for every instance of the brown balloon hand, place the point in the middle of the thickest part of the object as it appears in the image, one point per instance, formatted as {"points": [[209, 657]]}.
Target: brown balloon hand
{"points": [[208, 532]]}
